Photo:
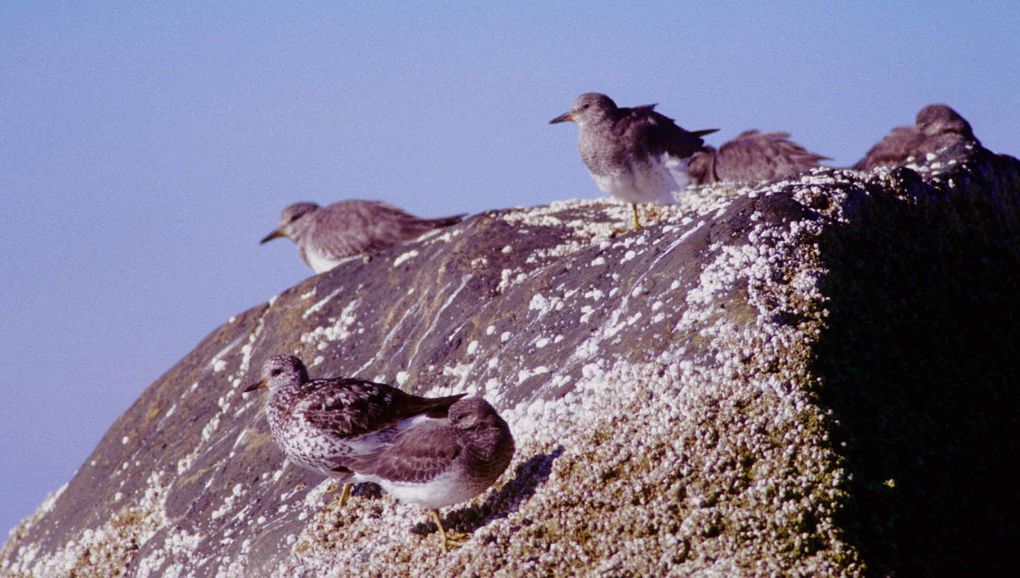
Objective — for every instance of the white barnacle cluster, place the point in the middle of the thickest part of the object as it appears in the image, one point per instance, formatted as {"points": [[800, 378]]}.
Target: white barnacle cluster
{"points": [[337, 329], [405, 257], [621, 450], [98, 551], [318, 305], [658, 393], [663, 422]]}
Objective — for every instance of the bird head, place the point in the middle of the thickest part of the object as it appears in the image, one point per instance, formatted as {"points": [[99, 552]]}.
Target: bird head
{"points": [[589, 108], [937, 119], [280, 370], [472, 413], [293, 220]]}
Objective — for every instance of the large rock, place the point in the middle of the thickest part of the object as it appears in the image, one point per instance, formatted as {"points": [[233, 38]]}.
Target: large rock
{"points": [[816, 377]]}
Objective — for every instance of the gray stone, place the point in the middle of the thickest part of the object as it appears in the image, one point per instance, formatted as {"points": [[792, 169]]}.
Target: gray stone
{"points": [[816, 376]]}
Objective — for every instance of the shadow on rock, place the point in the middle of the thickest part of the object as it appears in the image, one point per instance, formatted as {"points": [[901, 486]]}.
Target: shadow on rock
{"points": [[504, 501], [921, 361]]}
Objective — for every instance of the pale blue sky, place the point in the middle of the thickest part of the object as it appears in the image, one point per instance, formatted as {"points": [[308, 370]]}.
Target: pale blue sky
{"points": [[145, 149]]}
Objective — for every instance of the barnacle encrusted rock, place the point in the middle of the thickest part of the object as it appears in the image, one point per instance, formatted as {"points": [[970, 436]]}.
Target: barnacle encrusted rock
{"points": [[816, 376]]}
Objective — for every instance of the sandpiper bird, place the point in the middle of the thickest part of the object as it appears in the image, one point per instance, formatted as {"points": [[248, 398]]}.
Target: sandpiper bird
{"points": [[936, 127], [634, 154], [324, 235], [442, 462], [430, 451], [752, 156]]}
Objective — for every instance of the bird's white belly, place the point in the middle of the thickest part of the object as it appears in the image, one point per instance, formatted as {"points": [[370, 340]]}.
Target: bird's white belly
{"points": [[319, 262], [660, 181], [442, 491]]}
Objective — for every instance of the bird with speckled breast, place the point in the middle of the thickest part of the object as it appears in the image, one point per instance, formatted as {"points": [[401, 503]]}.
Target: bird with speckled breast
{"points": [[434, 452]]}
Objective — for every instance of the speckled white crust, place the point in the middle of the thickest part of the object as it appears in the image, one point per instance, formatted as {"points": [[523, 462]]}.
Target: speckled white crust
{"points": [[660, 419], [642, 479]]}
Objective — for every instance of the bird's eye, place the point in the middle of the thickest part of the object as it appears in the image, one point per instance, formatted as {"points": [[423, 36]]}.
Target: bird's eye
{"points": [[585, 107], [275, 372]]}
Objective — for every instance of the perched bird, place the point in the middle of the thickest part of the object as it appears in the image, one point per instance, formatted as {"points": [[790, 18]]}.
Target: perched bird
{"points": [[443, 462], [324, 235], [936, 127], [752, 156], [430, 451], [634, 154]]}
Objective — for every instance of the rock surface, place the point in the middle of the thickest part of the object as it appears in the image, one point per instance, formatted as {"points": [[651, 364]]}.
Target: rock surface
{"points": [[811, 377]]}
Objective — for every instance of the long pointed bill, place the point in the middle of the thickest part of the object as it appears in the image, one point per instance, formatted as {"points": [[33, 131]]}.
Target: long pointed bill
{"points": [[274, 235], [254, 386], [565, 117]]}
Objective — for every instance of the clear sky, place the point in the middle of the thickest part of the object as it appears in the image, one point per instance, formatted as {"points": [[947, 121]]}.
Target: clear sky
{"points": [[146, 148]]}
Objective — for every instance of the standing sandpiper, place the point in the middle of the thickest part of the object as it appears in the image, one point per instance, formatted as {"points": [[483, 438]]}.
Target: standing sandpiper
{"points": [[634, 154], [324, 235]]}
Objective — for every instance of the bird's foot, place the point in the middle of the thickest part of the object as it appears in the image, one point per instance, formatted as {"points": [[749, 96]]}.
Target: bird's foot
{"points": [[453, 540], [635, 223], [450, 539], [653, 214]]}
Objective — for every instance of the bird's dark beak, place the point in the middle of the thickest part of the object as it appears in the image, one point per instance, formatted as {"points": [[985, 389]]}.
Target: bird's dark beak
{"points": [[274, 235], [565, 117], [254, 386]]}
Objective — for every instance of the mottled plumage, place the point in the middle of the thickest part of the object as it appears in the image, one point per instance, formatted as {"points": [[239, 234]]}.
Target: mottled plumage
{"points": [[320, 423], [434, 452], [936, 127], [752, 156], [634, 154], [325, 235], [444, 462]]}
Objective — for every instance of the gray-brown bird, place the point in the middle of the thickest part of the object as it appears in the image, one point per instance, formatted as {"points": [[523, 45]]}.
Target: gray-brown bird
{"points": [[752, 156], [434, 452], [324, 235], [936, 127], [634, 154]]}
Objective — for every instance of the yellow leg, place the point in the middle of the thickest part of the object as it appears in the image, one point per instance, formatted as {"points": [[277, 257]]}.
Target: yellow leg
{"points": [[637, 221], [344, 494], [448, 540]]}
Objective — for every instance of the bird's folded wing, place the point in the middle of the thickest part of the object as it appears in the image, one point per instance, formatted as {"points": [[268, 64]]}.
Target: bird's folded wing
{"points": [[755, 156], [418, 455], [365, 226], [893, 149], [349, 407], [661, 134], [346, 407]]}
